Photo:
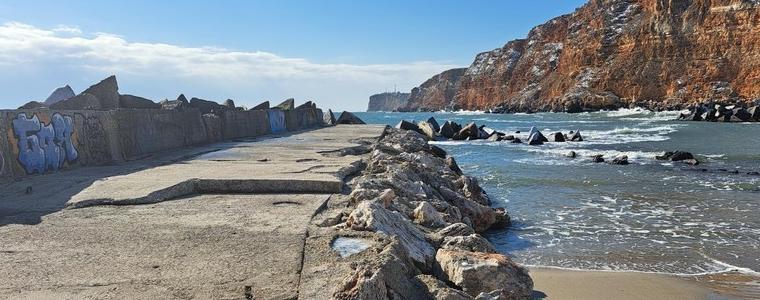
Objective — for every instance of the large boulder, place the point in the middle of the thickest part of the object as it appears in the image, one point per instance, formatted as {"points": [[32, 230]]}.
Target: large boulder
{"points": [[476, 272], [206, 106], [754, 113], [620, 160], [434, 123], [469, 131], [262, 106], [536, 138], [576, 136], [425, 214], [32, 105], [741, 115], [428, 130], [60, 94], [681, 155], [559, 137], [449, 129], [472, 242], [82, 101], [329, 118], [406, 125], [371, 215], [130, 101], [287, 104], [348, 118], [107, 93]]}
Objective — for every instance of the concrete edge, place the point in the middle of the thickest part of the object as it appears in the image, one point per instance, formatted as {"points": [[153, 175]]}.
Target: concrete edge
{"points": [[220, 186]]}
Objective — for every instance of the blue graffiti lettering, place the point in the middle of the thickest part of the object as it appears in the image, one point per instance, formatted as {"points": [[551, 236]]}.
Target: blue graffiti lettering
{"points": [[44, 147]]}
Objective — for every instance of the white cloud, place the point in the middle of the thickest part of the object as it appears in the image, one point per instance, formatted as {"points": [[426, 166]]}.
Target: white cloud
{"points": [[68, 29], [27, 45]]}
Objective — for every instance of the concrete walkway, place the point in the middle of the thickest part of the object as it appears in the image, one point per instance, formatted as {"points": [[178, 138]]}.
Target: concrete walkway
{"points": [[225, 236]]}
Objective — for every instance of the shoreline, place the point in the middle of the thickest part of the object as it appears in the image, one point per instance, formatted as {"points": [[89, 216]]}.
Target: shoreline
{"points": [[552, 283]]}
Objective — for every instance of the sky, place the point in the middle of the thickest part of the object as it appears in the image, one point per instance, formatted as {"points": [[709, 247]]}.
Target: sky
{"points": [[335, 52]]}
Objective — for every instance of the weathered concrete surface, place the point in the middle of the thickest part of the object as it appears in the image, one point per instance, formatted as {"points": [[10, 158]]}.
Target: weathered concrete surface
{"points": [[207, 246], [219, 246], [297, 163]]}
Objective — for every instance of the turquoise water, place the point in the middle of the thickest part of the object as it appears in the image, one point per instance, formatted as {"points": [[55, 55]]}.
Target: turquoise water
{"points": [[650, 216]]}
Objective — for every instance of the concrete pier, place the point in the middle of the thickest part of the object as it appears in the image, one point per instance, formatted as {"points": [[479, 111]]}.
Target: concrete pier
{"points": [[223, 221]]}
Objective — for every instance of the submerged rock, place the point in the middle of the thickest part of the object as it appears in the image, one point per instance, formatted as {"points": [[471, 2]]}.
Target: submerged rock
{"points": [[559, 137], [576, 136], [620, 160], [599, 158]]}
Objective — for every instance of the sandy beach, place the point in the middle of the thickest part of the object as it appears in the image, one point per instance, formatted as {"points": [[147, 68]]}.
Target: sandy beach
{"points": [[568, 284]]}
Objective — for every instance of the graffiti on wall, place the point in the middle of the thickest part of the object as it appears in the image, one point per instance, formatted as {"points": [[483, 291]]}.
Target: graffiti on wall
{"points": [[44, 147], [276, 120]]}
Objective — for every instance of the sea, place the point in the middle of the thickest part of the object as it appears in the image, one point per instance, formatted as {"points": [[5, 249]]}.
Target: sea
{"points": [[648, 216]]}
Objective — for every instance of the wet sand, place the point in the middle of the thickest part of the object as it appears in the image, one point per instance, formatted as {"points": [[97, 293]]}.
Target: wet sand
{"points": [[568, 284]]}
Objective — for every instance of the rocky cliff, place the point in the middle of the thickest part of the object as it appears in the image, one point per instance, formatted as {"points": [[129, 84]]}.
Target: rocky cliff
{"points": [[387, 101], [660, 54]]}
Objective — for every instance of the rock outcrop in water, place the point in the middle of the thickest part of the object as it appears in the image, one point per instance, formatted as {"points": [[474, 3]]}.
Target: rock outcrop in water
{"points": [[610, 54], [387, 101]]}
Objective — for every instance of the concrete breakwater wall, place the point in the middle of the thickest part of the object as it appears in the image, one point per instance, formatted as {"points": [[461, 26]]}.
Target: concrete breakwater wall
{"points": [[40, 141]]}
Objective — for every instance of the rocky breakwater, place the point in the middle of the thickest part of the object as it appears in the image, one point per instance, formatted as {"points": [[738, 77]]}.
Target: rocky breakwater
{"points": [[413, 195], [721, 112], [608, 54]]}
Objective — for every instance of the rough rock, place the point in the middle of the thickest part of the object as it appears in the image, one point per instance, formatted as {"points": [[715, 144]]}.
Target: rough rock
{"points": [[741, 115], [477, 273], [436, 289], [130, 101], [559, 137], [372, 216], [287, 104], [576, 137], [348, 118], [60, 94], [452, 164], [328, 117], [599, 158], [473, 243], [572, 154], [262, 106], [406, 125], [456, 229], [755, 113], [425, 214], [620, 160], [612, 54], [107, 93], [469, 131], [449, 129], [680, 155], [428, 130], [434, 123], [516, 141], [387, 101]]}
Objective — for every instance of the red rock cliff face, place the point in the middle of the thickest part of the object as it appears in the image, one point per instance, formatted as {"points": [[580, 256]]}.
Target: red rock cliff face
{"points": [[662, 54]]}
